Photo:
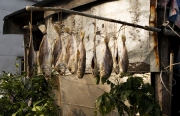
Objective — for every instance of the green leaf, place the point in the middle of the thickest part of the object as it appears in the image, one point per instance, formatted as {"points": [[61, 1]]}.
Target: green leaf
{"points": [[38, 108], [98, 101], [34, 109], [97, 79]]}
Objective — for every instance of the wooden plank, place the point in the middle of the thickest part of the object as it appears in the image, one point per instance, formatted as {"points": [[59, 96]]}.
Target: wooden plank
{"points": [[149, 28], [26, 36], [158, 89], [164, 58]]}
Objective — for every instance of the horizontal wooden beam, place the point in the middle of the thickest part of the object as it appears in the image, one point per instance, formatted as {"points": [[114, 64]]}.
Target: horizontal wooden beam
{"points": [[149, 28]]}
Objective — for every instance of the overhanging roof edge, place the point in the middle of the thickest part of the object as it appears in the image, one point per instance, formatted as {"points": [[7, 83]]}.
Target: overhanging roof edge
{"points": [[15, 29], [24, 9]]}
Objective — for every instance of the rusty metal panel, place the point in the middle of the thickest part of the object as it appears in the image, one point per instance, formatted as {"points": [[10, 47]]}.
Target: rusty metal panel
{"points": [[153, 38]]}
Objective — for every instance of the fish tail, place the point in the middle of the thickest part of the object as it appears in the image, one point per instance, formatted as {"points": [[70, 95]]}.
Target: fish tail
{"points": [[123, 38], [57, 28], [82, 34], [106, 40], [67, 30]]}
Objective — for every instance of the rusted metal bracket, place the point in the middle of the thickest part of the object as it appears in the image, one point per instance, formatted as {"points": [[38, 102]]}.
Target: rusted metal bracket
{"points": [[163, 31]]}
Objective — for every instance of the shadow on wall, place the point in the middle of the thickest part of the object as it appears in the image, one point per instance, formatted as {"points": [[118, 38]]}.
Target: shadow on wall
{"points": [[78, 113]]}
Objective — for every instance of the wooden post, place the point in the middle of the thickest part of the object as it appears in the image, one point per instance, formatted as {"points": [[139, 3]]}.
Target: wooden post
{"points": [[164, 62], [171, 74], [26, 37]]}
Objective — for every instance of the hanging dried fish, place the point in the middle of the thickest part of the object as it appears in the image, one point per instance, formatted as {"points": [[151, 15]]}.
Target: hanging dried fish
{"points": [[115, 57], [72, 62], [31, 60], [81, 57], [57, 50], [94, 63], [107, 62], [66, 45], [124, 60], [45, 56], [58, 44], [31, 56], [60, 66]]}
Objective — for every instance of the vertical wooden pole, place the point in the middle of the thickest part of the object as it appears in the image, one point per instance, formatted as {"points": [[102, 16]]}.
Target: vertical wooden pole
{"points": [[171, 74], [158, 89], [164, 62], [26, 35]]}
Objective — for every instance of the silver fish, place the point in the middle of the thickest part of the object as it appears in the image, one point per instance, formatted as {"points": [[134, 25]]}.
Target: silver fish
{"points": [[107, 62], [124, 60], [81, 57], [94, 63], [45, 56]]}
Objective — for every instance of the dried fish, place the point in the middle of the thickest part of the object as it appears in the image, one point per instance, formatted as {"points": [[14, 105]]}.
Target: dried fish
{"points": [[58, 44], [124, 60], [81, 57], [31, 59], [115, 57], [31, 54], [45, 56], [107, 62], [57, 50], [72, 52], [61, 68], [94, 63], [61, 64]]}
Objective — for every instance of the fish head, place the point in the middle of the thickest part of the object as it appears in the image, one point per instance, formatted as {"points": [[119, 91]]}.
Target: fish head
{"points": [[79, 74], [104, 76], [73, 69], [61, 68], [46, 70], [102, 72]]}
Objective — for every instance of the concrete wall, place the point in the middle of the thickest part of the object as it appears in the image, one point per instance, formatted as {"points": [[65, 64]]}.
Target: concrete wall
{"points": [[11, 46], [77, 96]]}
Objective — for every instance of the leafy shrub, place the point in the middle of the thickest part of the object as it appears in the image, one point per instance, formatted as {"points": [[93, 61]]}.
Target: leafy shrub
{"points": [[22, 96], [139, 95]]}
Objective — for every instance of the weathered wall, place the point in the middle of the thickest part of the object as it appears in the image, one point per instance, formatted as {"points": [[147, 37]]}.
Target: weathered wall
{"points": [[11, 46], [138, 43], [78, 95]]}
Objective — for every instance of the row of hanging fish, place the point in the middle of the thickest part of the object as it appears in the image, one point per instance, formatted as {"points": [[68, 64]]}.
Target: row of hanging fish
{"points": [[69, 53]]}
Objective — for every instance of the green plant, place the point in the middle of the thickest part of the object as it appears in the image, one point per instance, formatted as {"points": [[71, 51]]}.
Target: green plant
{"points": [[22, 96], [131, 97]]}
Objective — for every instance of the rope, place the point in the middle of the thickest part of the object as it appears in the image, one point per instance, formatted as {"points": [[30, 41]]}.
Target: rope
{"points": [[164, 84]]}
